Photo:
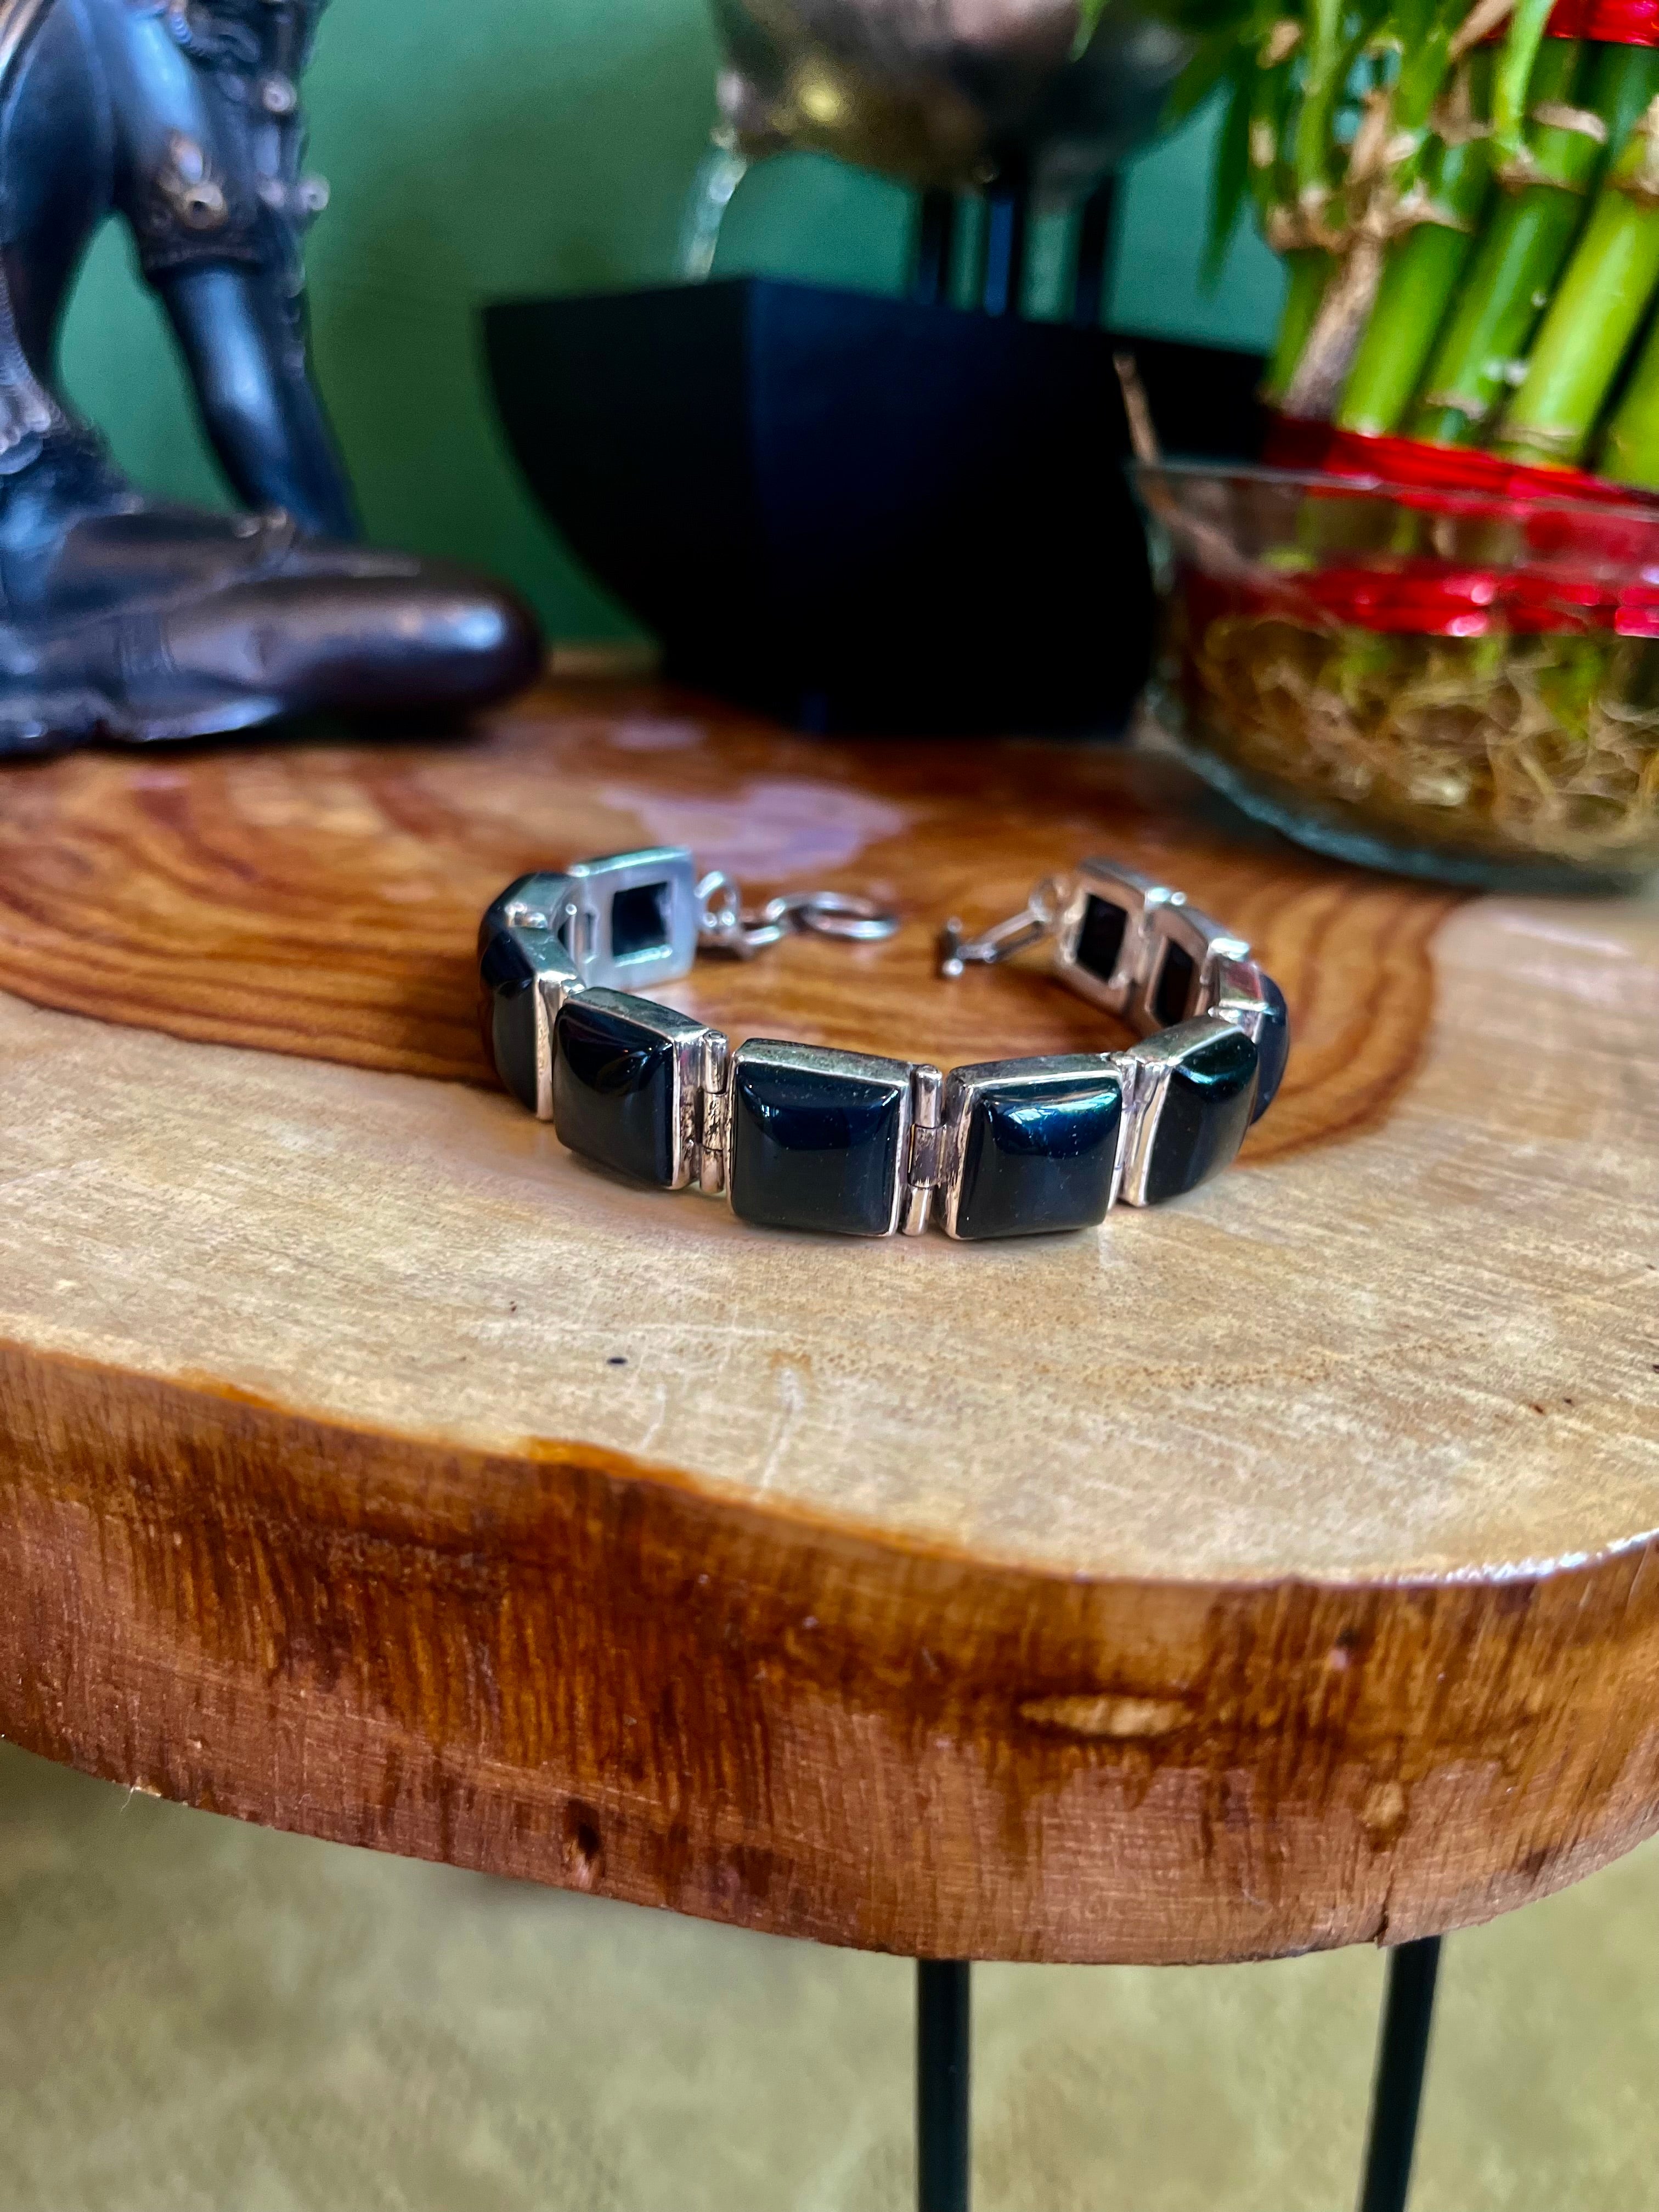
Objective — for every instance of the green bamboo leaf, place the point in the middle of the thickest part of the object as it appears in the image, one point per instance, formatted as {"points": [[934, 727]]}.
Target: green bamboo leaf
{"points": [[1236, 32], [1196, 17], [1209, 67], [1230, 178]]}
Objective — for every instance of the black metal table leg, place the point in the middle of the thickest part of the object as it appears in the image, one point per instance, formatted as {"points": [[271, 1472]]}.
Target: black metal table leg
{"points": [[1403, 2053], [936, 231], [944, 2151]]}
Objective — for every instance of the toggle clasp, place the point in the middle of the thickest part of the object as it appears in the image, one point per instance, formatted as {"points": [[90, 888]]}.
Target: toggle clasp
{"points": [[729, 927], [1034, 922]]}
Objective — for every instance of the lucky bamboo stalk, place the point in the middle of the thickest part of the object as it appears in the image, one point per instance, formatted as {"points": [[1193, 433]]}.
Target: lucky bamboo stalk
{"points": [[1516, 65], [1428, 241], [1595, 310], [1424, 267], [1313, 225], [1470, 230], [1532, 231], [1630, 455], [1308, 270], [1272, 107], [1312, 136], [1383, 199]]}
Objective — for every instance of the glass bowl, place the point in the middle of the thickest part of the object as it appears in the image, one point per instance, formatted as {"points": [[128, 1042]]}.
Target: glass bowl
{"points": [[1452, 684]]}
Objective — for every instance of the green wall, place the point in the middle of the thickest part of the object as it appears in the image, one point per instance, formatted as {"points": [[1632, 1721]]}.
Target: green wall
{"points": [[524, 146]]}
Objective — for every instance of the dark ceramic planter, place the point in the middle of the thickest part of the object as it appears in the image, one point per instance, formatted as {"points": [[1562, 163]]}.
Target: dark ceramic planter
{"points": [[858, 512]]}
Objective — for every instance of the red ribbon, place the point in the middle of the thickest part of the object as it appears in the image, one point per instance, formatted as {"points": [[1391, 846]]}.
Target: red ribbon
{"points": [[1590, 551], [1615, 22], [1618, 22], [1293, 444], [1429, 598]]}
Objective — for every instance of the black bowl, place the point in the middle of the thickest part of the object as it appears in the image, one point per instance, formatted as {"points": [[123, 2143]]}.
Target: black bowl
{"points": [[860, 512]]}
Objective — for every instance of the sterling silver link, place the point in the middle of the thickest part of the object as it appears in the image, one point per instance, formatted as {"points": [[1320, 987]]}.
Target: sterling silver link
{"points": [[714, 1115], [1177, 1010], [922, 1167]]}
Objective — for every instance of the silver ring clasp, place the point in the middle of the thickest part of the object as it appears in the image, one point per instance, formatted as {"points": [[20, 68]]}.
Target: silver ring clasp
{"points": [[729, 927]]}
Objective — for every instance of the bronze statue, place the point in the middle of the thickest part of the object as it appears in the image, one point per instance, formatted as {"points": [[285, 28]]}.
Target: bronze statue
{"points": [[127, 616]]}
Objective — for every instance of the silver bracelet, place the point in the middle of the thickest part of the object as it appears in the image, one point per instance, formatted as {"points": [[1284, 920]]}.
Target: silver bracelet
{"points": [[794, 1136]]}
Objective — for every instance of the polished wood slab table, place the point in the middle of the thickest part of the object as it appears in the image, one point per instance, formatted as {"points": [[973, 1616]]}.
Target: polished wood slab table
{"points": [[1272, 1570]]}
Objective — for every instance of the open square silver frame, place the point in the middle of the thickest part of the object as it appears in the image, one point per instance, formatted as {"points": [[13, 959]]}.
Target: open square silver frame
{"points": [[593, 887], [1155, 917]]}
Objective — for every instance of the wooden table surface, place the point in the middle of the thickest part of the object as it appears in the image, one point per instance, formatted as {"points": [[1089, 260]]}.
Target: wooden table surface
{"points": [[1269, 1571]]}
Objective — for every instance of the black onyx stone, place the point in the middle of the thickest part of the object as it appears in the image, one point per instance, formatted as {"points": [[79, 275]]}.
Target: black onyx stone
{"points": [[1100, 940], [1206, 1111], [1039, 1154], [1272, 1047], [815, 1138], [509, 1014], [1175, 984], [613, 1082]]}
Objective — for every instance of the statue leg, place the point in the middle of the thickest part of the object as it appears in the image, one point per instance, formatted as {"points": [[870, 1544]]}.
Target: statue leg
{"points": [[246, 358], [143, 619], [207, 176]]}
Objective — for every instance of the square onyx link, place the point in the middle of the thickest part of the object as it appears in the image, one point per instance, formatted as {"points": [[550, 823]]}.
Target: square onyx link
{"points": [[1033, 1144], [513, 965], [622, 1069], [1203, 1081], [818, 1138]]}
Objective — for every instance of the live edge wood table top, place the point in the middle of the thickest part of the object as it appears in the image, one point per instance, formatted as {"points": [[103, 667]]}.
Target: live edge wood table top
{"points": [[1274, 1570]]}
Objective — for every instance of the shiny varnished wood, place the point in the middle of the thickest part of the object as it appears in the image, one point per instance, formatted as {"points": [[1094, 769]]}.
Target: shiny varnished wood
{"points": [[1272, 1570], [323, 899]]}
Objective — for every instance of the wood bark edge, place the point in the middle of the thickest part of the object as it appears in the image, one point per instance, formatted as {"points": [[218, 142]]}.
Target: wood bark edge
{"points": [[558, 1666]]}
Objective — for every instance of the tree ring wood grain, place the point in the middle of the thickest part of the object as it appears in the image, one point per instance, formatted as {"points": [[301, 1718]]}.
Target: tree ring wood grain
{"points": [[1271, 1572], [322, 899]]}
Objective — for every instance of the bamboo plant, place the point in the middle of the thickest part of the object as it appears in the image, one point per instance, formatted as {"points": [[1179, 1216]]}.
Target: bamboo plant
{"points": [[1468, 212], [1467, 209]]}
